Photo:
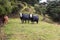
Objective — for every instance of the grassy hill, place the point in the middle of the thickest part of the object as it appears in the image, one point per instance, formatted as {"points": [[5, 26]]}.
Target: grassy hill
{"points": [[42, 31]]}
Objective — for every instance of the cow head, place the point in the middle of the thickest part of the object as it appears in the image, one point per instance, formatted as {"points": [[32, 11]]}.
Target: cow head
{"points": [[20, 14], [31, 15]]}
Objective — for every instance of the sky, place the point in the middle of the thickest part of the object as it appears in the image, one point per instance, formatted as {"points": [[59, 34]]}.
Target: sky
{"points": [[43, 1]]}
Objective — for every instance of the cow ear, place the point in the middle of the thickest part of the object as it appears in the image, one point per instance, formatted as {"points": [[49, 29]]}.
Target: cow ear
{"points": [[20, 14]]}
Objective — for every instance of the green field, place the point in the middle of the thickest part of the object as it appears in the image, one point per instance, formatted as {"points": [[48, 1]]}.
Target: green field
{"points": [[42, 31]]}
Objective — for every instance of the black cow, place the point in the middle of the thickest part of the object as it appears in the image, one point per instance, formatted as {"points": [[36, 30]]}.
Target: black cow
{"points": [[34, 18], [24, 17]]}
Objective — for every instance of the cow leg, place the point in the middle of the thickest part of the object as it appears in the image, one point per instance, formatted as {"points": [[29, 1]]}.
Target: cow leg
{"points": [[22, 21], [37, 22]]}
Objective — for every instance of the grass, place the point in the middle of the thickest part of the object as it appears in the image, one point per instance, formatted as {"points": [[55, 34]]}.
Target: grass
{"points": [[42, 31]]}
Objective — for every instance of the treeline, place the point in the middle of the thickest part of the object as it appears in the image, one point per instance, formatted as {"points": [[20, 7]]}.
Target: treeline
{"points": [[10, 6]]}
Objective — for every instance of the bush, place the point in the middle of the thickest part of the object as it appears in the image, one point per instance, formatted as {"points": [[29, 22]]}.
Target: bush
{"points": [[53, 11]]}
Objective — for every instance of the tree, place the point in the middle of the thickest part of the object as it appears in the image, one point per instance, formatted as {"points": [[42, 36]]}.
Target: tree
{"points": [[31, 2], [53, 11], [5, 7], [41, 9]]}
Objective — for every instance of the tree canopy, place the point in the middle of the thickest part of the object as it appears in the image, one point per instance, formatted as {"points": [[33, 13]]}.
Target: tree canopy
{"points": [[10, 6], [53, 10], [5, 7]]}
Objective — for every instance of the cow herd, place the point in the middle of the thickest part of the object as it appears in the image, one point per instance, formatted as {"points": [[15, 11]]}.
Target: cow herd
{"points": [[29, 17]]}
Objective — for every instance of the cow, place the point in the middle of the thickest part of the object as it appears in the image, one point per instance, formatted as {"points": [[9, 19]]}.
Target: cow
{"points": [[24, 17], [34, 18]]}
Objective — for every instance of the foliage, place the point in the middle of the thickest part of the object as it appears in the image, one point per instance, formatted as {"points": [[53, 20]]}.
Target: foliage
{"points": [[5, 7], [53, 10], [32, 2], [28, 9], [14, 6], [37, 8], [40, 9]]}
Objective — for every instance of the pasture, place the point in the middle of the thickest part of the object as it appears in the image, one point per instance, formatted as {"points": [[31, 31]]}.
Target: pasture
{"points": [[41, 31]]}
